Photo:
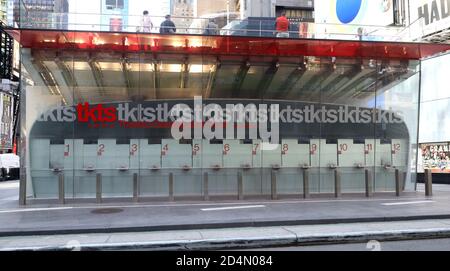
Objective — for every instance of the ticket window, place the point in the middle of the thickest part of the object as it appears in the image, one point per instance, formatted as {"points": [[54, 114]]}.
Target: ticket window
{"points": [[90, 153], [294, 155], [40, 154], [350, 154], [314, 152], [56, 156], [383, 154], [176, 155], [106, 154], [69, 154], [369, 152], [257, 154], [134, 154], [271, 155], [150, 155], [328, 154], [237, 154], [122, 155], [399, 153], [206, 154]]}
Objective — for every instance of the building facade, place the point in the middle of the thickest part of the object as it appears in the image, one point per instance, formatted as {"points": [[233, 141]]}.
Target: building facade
{"points": [[185, 11], [46, 14], [4, 11]]}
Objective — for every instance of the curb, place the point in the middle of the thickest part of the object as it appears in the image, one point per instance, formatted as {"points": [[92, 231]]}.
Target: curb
{"points": [[244, 224], [254, 243]]}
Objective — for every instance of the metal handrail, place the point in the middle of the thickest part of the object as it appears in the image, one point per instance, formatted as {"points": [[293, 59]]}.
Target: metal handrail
{"points": [[198, 25]]}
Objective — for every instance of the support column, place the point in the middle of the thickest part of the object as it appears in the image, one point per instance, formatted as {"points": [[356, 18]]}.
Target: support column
{"points": [[171, 194], [337, 183], [305, 183], [61, 190], [428, 183], [205, 187], [273, 185], [398, 181], [240, 186], [99, 187], [136, 187], [368, 179]]}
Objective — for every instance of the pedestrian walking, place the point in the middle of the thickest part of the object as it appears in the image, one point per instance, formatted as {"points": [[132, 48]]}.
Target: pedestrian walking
{"points": [[146, 22], [282, 26], [211, 28], [167, 26]]}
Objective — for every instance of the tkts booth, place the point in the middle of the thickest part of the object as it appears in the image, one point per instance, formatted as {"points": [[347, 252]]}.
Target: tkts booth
{"points": [[108, 115]]}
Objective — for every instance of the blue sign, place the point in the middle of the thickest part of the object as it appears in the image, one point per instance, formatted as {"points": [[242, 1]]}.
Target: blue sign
{"points": [[347, 10]]}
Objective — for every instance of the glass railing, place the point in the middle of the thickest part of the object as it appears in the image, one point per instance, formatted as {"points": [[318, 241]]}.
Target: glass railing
{"points": [[219, 25]]}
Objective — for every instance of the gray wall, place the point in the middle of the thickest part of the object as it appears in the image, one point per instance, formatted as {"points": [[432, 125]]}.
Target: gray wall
{"points": [[295, 3], [266, 8]]}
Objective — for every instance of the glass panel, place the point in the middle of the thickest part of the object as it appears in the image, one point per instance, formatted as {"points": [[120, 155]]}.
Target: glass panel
{"points": [[108, 112]]}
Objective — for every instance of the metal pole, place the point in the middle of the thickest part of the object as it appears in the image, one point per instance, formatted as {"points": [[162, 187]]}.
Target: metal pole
{"points": [[240, 186], [337, 183], [306, 183], [428, 183], [205, 187], [273, 185], [61, 188], [22, 190], [171, 196], [228, 12], [368, 178], [397, 183], [136, 187], [99, 187]]}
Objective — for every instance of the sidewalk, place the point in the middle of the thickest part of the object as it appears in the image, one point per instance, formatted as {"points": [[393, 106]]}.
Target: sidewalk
{"points": [[143, 217], [235, 238]]}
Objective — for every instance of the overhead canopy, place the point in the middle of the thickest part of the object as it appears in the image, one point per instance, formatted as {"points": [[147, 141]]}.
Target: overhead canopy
{"points": [[222, 45]]}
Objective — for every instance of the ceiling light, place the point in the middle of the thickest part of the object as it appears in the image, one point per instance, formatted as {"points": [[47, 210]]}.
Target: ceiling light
{"points": [[170, 67], [79, 65], [110, 66]]}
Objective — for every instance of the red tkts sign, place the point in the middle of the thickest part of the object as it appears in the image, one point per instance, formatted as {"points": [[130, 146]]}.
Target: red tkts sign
{"points": [[97, 113]]}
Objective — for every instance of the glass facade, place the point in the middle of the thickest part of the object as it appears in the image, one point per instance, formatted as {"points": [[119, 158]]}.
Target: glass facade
{"points": [[101, 111]]}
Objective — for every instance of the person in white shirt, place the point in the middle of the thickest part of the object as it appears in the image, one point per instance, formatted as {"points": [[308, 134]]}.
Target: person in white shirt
{"points": [[146, 22]]}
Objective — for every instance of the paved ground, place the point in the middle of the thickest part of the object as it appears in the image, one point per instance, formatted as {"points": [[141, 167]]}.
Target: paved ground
{"points": [[219, 225], [76, 218]]}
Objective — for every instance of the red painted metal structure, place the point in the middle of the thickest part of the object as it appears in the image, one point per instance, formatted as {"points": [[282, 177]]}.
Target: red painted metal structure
{"points": [[222, 45]]}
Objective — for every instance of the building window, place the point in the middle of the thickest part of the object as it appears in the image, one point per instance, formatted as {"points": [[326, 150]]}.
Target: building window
{"points": [[114, 4]]}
